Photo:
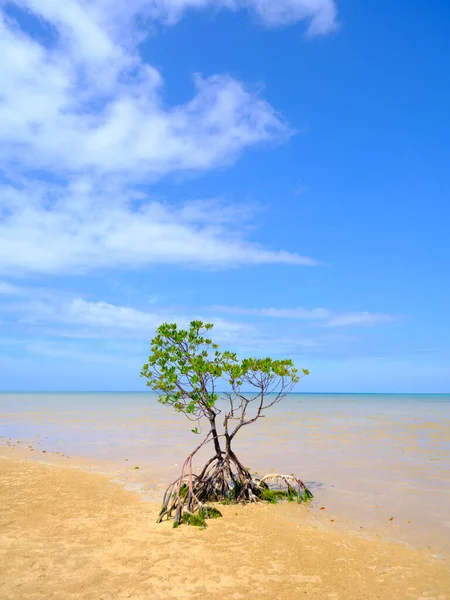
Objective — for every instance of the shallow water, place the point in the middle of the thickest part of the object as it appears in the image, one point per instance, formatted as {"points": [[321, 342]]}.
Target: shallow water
{"points": [[367, 458]]}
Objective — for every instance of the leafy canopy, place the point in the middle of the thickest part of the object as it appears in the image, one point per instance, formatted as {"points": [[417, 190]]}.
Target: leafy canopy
{"points": [[185, 368]]}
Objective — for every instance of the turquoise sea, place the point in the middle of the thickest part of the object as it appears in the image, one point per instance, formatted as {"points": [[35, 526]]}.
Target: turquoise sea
{"points": [[367, 457]]}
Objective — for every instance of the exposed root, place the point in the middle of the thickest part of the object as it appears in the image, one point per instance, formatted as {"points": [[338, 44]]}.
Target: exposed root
{"points": [[279, 486], [223, 479]]}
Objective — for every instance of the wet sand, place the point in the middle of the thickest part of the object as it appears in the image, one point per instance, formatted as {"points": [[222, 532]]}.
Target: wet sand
{"points": [[66, 534], [377, 463]]}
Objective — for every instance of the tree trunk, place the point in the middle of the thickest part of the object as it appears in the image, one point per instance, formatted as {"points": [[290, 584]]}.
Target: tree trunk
{"points": [[218, 449], [227, 456]]}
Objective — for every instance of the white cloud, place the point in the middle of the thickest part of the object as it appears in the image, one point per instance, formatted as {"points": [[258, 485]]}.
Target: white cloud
{"points": [[47, 120], [62, 322], [83, 119], [112, 318], [80, 318], [96, 322], [322, 316], [321, 14], [86, 318], [49, 229], [89, 102]]}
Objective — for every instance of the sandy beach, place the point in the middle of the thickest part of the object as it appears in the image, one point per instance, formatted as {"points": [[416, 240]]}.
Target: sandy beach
{"points": [[67, 534], [78, 519], [366, 459]]}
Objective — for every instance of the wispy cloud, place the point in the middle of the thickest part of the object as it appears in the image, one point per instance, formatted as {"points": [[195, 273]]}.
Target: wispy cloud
{"points": [[62, 316], [88, 103], [59, 316], [83, 120], [49, 229], [80, 318], [321, 14], [321, 316], [42, 325]]}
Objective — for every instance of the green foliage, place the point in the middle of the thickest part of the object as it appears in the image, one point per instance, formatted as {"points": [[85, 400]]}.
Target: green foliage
{"points": [[186, 368], [263, 368], [291, 495], [270, 496], [193, 519], [307, 495], [199, 519], [210, 512], [184, 490]]}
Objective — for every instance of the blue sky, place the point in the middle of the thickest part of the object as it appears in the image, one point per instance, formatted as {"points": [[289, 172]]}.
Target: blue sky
{"points": [[279, 169]]}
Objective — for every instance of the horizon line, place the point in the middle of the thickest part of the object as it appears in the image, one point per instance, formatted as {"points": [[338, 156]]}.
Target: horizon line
{"points": [[222, 392]]}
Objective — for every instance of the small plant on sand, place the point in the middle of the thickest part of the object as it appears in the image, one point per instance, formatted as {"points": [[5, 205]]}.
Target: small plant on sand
{"points": [[187, 369]]}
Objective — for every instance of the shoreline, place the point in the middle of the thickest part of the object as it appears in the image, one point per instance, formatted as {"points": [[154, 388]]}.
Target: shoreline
{"points": [[61, 526], [372, 474], [139, 483]]}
